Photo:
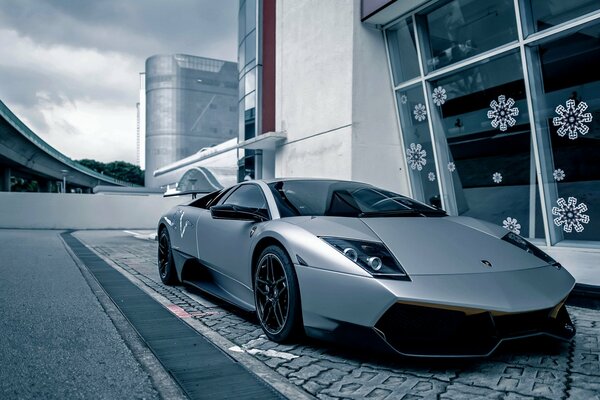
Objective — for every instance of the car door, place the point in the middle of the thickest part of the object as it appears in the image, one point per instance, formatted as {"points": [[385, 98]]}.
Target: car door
{"points": [[224, 244]]}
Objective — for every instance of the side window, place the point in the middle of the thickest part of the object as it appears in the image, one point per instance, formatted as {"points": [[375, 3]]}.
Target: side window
{"points": [[204, 201], [247, 196]]}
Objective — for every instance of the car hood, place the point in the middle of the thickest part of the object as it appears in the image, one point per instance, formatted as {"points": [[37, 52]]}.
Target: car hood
{"points": [[449, 245]]}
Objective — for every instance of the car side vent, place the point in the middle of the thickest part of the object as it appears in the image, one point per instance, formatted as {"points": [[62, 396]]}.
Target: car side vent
{"points": [[301, 261]]}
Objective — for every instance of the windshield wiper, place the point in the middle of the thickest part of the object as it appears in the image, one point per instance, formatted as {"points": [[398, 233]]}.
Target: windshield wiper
{"points": [[402, 213]]}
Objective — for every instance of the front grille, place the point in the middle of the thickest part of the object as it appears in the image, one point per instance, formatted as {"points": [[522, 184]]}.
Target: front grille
{"points": [[510, 325], [421, 330]]}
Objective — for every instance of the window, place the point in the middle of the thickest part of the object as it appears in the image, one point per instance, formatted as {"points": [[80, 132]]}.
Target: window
{"points": [[403, 51], [567, 115], [248, 195], [417, 143], [463, 28], [544, 14], [481, 115]]}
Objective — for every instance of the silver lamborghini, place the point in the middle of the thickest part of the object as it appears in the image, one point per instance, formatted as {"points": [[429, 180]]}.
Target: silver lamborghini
{"points": [[340, 259]]}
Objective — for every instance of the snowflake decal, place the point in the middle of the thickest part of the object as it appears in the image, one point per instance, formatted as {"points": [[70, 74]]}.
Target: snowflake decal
{"points": [[439, 96], [512, 225], [431, 176], [403, 99], [570, 215], [497, 177], [571, 119], [420, 112], [416, 156], [558, 174], [502, 113], [451, 166]]}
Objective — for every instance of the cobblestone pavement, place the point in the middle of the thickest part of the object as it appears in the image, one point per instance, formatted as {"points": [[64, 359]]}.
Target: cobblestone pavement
{"points": [[535, 369]]}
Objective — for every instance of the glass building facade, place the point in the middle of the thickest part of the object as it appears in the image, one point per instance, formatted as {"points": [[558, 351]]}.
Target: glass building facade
{"points": [[249, 75], [499, 110]]}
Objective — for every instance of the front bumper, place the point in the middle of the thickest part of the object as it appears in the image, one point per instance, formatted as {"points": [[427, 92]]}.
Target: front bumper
{"points": [[453, 311], [418, 330]]}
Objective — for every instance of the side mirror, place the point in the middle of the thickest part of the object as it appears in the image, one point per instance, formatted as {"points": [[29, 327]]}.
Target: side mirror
{"points": [[240, 213]]}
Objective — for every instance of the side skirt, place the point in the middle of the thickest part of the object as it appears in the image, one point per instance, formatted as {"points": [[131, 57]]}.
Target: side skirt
{"points": [[192, 272]]}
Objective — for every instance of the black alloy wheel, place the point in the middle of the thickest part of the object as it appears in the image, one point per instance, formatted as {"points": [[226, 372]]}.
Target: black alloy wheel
{"points": [[166, 267], [276, 295]]}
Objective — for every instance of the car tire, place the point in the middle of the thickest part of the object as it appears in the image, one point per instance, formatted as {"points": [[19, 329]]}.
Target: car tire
{"points": [[166, 265], [277, 295]]}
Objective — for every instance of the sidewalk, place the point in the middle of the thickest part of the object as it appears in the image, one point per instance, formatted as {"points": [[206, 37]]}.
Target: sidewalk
{"points": [[523, 370]]}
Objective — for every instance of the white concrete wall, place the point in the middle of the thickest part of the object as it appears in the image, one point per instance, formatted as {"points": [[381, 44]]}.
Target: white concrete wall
{"points": [[314, 87], [82, 211], [377, 154], [334, 98]]}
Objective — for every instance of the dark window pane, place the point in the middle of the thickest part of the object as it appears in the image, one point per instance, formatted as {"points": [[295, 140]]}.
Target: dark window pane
{"points": [[481, 113], [403, 51], [417, 142], [567, 110], [546, 14], [250, 15], [247, 196], [464, 28], [251, 47]]}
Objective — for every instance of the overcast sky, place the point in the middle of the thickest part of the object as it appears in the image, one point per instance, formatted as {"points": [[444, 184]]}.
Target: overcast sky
{"points": [[70, 69]]}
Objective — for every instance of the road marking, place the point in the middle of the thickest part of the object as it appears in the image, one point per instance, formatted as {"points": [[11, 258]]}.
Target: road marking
{"points": [[181, 313], [178, 311], [139, 235], [268, 353]]}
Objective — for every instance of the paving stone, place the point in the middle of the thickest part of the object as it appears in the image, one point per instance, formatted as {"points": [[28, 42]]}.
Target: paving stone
{"points": [[330, 376], [459, 391], [583, 394], [313, 387], [322, 396], [545, 360], [300, 362], [339, 366], [308, 372], [372, 384], [285, 371], [274, 362], [586, 362], [585, 382], [522, 379]]}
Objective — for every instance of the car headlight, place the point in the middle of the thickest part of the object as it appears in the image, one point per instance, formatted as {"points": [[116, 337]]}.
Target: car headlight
{"points": [[373, 257], [523, 244]]}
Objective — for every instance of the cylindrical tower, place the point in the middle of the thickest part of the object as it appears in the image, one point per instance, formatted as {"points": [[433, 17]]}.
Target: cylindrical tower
{"points": [[191, 103]]}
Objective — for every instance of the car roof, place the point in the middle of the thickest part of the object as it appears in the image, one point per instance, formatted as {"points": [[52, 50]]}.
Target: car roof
{"points": [[268, 181]]}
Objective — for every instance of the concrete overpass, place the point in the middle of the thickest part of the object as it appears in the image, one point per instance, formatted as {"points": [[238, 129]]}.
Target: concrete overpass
{"points": [[23, 154]]}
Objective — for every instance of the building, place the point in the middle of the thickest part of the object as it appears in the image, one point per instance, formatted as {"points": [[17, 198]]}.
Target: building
{"points": [[488, 109], [141, 123], [191, 103]]}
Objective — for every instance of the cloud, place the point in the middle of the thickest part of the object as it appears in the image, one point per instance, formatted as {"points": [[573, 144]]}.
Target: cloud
{"points": [[87, 128], [70, 69], [142, 28]]}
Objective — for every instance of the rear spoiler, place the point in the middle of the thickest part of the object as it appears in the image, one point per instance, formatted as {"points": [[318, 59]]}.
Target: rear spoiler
{"points": [[194, 193]]}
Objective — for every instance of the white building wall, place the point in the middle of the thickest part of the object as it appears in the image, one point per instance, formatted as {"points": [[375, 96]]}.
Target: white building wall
{"points": [[314, 88], [333, 96], [377, 154]]}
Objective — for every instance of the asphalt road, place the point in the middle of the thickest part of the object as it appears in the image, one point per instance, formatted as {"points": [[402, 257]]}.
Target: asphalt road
{"points": [[56, 341]]}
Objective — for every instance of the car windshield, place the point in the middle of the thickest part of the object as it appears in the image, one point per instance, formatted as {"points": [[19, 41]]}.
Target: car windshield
{"points": [[343, 199]]}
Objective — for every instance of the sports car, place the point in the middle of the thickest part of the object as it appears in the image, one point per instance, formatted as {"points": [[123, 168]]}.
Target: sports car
{"points": [[340, 259]]}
